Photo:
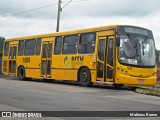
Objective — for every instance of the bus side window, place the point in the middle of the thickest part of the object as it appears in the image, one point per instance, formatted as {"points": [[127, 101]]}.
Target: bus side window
{"points": [[6, 48], [70, 44], [38, 46], [58, 46], [21, 48], [30, 47], [87, 43]]}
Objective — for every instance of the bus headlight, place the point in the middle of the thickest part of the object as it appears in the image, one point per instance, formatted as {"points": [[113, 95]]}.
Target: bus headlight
{"points": [[154, 74]]}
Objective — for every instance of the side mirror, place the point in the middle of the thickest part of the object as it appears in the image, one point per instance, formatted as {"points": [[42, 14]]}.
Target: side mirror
{"points": [[117, 40]]}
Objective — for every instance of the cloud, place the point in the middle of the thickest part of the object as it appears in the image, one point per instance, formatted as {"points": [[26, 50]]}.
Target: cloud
{"points": [[101, 8], [93, 8], [14, 27], [15, 6]]}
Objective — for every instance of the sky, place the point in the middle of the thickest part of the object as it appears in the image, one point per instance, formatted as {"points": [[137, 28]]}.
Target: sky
{"points": [[76, 15]]}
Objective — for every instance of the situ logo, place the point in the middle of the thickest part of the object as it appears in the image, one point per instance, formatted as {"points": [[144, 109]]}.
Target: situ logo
{"points": [[75, 60], [66, 61]]}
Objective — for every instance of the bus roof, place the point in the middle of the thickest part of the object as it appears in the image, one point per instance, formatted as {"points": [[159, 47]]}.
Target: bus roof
{"points": [[93, 29]]}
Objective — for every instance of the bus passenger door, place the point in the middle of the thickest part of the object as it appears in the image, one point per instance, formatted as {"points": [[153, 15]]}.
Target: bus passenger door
{"points": [[46, 59], [12, 59], [101, 60], [105, 59], [109, 60]]}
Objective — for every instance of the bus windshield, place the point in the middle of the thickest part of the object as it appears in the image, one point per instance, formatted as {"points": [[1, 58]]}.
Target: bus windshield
{"points": [[137, 50]]}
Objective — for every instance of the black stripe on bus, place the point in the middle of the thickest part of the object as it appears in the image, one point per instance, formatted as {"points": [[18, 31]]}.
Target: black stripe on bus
{"points": [[68, 69], [59, 68], [32, 68]]}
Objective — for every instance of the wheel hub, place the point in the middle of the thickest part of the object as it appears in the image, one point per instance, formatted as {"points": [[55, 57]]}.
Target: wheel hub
{"points": [[84, 76]]}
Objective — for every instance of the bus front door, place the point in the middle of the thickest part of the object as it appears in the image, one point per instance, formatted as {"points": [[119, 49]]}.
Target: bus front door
{"points": [[12, 59], [105, 59], [46, 59]]}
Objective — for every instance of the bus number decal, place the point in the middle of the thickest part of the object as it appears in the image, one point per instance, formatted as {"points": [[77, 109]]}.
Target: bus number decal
{"points": [[26, 59]]}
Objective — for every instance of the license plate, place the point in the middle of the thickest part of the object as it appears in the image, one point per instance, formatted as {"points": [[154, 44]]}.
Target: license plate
{"points": [[140, 81]]}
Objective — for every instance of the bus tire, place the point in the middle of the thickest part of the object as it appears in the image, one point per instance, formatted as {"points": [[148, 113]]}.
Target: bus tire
{"points": [[21, 73], [118, 85], [85, 77], [28, 78], [47, 80]]}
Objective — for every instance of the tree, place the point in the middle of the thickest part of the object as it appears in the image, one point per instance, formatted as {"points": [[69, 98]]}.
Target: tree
{"points": [[1, 44]]}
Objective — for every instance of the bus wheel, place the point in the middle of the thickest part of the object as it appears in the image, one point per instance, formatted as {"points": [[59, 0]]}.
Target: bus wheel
{"points": [[28, 78], [21, 73], [47, 80], [118, 85], [85, 77]]}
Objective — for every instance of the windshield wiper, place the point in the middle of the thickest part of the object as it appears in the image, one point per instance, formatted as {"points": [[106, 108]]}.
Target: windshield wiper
{"points": [[134, 44], [143, 44], [132, 41]]}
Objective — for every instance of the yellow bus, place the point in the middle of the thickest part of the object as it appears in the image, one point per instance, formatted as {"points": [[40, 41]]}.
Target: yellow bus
{"points": [[115, 54]]}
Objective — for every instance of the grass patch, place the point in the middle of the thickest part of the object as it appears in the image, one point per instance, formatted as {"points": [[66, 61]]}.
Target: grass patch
{"points": [[150, 90]]}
